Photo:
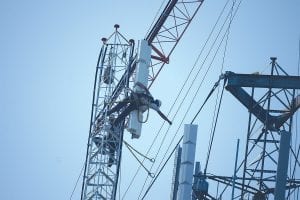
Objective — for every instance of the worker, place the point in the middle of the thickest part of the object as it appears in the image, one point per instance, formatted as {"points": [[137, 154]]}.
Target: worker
{"points": [[108, 144], [136, 101], [109, 141]]}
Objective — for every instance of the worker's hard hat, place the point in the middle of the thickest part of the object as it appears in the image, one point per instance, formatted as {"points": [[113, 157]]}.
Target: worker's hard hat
{"points": [[157, 102]]}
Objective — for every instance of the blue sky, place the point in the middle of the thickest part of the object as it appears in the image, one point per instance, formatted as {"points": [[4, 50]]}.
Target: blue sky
{"points": [[48, 53]]}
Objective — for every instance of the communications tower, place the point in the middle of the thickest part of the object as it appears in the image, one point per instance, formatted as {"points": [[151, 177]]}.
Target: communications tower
{"points": [[122, 64], [270, 165]]}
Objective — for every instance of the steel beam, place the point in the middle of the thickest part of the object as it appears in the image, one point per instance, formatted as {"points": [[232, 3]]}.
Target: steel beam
{"points": [[262, 81], [249, 103], [235, 82]]}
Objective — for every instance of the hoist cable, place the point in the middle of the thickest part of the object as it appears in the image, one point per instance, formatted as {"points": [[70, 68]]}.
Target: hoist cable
{"points": [[181, 90], [223, 61], [160, 170], [232, 17], [131, 151], [227, 36], [201, 66], [155, 17], [76, 183], [214, 130], [155, 178], [208, 96], [192, 99], [135, 150]]}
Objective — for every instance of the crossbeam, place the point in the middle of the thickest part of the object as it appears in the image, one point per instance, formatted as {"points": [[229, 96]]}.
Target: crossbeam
{"points": [[236, 82], [262, 81]]}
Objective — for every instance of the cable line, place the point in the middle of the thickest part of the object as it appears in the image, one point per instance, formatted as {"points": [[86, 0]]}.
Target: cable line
{"points": [[154, 19], [208, 96], [193, 81], [170, 155], [144, 156], [198, 89], [226, 33], [214, 129], [223, 61], [148, 171], [161, 168], [77, 181], [181, 90]]}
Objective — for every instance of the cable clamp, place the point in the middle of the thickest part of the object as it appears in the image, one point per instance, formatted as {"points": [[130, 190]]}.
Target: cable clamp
{"points": [[152, 175]]}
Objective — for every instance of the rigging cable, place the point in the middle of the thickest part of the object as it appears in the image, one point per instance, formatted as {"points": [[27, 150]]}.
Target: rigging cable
{"points": [[214, 130], [217, 114], [131, 151], [198, 87], [210, 93], [144, 156], [181, 90], [196, 93], [155, 17], [77, 181], [155, 178], [149, 187]]}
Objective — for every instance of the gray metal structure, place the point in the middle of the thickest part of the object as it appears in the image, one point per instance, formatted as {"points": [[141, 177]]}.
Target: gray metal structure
{"points": [[200, 185], [104, 145], [282, 165], [270, 168], [115, 71], [174, 185]]}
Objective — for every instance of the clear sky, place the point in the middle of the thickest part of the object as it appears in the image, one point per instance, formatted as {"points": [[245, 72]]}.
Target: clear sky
{"points": [[48, 53]]}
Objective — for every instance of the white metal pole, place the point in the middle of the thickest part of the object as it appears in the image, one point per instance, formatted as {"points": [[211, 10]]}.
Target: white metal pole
{"points": [[187, 162], [142, 73]]}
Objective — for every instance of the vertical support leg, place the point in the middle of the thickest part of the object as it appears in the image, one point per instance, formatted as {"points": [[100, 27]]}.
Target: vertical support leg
{"points": [[235, 166], [282, 167]]}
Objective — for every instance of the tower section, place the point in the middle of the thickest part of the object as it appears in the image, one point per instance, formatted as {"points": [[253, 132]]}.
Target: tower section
{"points": [[112, 80]]}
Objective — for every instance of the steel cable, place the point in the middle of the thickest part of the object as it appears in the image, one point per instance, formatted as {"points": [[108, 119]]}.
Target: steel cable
{"points": [[76, 183], [226, 34], [195, 77], [181, 90]]}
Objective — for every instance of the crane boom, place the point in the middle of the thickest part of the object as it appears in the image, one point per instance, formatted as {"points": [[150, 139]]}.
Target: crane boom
{"points": [[164, 37], [168, 30], [113, 79]]}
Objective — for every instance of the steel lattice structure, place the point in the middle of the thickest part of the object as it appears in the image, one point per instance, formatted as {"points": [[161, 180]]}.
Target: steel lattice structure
{"points": [[102, 165], [263, 137], [115, 71], [271, 101]]}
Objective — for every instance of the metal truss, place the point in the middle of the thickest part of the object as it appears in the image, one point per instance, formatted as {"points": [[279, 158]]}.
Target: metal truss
{"points": [[104, 144], [270, 100], [163, 38], [262, 145], [168, 30], [114, 74]]}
